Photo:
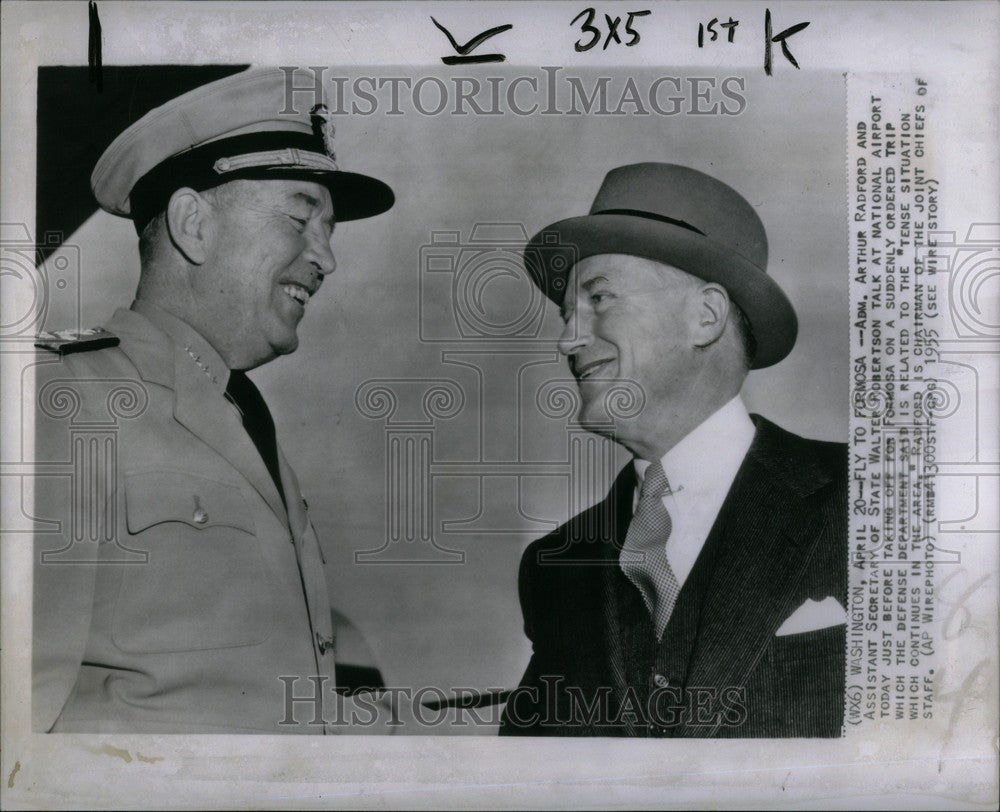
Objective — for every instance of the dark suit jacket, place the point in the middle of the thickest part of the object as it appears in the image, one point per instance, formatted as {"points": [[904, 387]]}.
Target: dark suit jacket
{"points": [[784, 541]]}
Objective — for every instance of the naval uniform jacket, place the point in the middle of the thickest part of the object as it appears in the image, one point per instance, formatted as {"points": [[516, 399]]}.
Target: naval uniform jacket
{"points": [[172, 585], [719, 670]]}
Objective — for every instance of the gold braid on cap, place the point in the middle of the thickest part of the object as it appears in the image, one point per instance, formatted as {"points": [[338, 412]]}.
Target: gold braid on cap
{"points": [[275, 159]]}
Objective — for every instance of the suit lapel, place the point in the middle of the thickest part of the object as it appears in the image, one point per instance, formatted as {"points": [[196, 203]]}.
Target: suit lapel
{"points": [[297, 516], [586, 593], [769, 537], [199, 406], [309, 555], [619, 506], [206, 413]]}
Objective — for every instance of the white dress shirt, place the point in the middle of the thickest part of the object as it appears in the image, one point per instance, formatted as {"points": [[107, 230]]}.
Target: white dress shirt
{"points": [[700, 469]]}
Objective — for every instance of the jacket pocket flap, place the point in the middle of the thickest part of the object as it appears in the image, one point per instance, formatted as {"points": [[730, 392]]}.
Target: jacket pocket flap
{"points": [[154, 497]]}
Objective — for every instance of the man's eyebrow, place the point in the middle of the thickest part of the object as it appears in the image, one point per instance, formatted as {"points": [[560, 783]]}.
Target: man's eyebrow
{"points": [[592, 281], [315, 203], [564, 309], [308, 198]]}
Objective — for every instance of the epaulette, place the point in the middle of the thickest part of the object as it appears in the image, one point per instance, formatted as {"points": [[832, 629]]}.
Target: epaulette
{"points": [[66, 341]]}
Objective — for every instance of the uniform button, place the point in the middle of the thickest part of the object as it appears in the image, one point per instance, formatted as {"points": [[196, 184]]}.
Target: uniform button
{"points": [[660, 681], [200, 516]]}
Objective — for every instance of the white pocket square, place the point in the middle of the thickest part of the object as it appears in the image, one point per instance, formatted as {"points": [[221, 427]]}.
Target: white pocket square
{"points": [[813, 616]]}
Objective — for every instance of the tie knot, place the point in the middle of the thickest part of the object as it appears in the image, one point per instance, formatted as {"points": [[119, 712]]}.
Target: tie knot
{"points": [[654, 483], [236, 386]]}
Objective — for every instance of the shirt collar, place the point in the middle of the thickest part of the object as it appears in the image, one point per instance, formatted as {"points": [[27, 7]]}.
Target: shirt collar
{"points": [[723, 438], [202, 354]]}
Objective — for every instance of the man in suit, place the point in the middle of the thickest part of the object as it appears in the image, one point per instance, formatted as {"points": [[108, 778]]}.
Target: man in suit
{"points": [[704, 597], [179, 582]]}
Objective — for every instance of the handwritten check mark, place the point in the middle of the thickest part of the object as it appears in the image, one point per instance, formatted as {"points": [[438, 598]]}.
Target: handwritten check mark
{"points": [[471, 45]]}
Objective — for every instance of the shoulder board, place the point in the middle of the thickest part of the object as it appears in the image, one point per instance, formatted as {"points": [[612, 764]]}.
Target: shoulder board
{"points": [[66, 341]]}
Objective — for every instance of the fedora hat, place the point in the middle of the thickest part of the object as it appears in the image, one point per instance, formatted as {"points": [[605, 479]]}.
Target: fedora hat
{"points": [[681, 217]]}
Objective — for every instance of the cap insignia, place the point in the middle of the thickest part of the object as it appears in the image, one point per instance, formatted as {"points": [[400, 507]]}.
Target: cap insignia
{"points": [[322, 124]]}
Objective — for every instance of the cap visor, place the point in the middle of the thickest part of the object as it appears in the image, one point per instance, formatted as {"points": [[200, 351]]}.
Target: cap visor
{"points": [[358, 196]]}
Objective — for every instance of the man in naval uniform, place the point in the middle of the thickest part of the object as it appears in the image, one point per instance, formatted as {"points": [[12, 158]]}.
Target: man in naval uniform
{"points": [[179, 583], [704, 597]]}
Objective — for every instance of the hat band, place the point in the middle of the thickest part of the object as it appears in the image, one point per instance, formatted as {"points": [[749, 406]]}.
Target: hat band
{"points": [[284, 158], [199, 167], [648, 215]]}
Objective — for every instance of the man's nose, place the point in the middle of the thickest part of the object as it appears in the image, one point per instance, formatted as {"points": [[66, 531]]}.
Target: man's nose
{"points": [[576, 334], [319, 253]]}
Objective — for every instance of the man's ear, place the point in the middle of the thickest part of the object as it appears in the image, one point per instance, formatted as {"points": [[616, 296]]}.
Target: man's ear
{"points": [[713, 311], [188, 215]]}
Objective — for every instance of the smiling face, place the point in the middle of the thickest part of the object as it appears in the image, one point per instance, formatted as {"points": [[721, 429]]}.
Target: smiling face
{"points": [[633, 322], [268, 249]]}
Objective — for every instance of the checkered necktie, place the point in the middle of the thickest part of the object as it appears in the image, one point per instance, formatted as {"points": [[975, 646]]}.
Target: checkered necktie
{"points": [[644, 556]]}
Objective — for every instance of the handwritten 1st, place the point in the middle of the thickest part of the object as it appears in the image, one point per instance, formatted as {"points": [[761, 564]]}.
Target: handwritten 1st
{"points": [[595, 31]]}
